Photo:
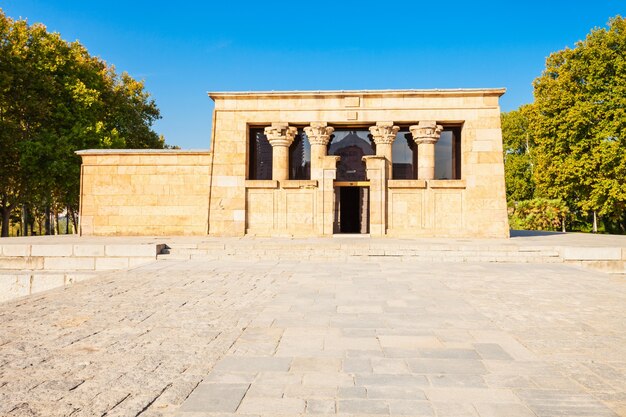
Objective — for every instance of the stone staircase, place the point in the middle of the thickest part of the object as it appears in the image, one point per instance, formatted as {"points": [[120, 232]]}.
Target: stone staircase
{"points": [[605, 259], [406, 250], [31, 265]]}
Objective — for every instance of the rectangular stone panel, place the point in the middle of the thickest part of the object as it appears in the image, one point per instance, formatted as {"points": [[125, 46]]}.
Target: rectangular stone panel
{"points": [[260, 210], [299, 210], [448, 211], [406, 210]]}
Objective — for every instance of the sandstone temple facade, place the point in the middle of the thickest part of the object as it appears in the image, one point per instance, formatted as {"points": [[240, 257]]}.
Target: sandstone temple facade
{"points": [[402, 163]]}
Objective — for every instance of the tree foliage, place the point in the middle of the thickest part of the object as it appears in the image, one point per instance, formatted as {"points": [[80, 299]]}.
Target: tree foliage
{"points": [[538, 214], [519, 143], [576, 129], [55, 98]]}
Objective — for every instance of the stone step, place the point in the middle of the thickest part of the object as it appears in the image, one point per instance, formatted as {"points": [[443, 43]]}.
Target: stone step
{"points": [[443, 254], [604, 259]]}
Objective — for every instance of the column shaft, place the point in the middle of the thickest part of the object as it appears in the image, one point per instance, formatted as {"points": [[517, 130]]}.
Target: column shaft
{"points": [[280, 162], [426, 134], [386, 150], [318, 152], [426, 161], [280, 136]]}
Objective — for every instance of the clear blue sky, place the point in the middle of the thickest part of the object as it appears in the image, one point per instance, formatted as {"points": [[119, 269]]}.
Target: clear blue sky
{"points": [[184, 49]]}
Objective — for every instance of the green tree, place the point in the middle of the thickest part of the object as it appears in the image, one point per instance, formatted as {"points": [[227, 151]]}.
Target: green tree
{"points": [[580, 105], [55, 99], [519, 143]]}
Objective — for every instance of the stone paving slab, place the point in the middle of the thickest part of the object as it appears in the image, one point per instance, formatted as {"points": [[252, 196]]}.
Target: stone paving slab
{"points": [[348, 338]]}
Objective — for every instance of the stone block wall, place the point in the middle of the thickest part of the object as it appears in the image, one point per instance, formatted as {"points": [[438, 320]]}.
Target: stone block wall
{"points": [[144, 192], [169, 192], [474, 206]]}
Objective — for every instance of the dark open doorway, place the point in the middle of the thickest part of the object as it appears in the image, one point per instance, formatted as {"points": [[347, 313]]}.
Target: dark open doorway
{"points": [[353, 209]]}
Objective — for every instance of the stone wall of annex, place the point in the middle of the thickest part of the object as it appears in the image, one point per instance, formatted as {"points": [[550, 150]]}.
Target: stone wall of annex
{"points": [[144, 192]]}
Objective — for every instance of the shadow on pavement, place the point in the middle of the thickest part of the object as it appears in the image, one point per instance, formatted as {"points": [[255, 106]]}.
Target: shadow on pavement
{"points": [[528, 233]]}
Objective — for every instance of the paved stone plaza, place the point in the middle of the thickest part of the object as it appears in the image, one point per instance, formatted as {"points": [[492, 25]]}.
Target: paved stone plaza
{"points": [[352, 337]]}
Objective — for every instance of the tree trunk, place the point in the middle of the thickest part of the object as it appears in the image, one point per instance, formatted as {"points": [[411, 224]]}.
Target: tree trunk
{"points": [[23, 221], [30, 222], [6, 216], [67, 220], [47, 228], [595, 222], [74, 222], [57, 226], [563, 225], [5, 212]]}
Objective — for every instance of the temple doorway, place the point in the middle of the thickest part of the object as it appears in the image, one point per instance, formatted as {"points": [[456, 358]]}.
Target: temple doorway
{"points": [[352, 209]]}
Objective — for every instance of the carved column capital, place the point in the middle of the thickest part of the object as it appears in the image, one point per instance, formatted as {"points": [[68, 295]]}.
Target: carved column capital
{"points": [[426, 132], [384, 133], [280, 134], [319, 133]]}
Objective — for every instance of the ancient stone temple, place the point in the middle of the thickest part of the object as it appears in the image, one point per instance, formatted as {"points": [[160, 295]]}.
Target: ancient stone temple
{"points": [[414, 163]]}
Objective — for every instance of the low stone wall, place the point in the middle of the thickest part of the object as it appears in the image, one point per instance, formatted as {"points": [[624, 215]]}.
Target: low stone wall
{"points": [[611, 260], [144, 192], [28, 268]]}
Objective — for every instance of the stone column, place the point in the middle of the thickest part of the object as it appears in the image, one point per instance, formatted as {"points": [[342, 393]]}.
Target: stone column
{"points": [[323, 170], [425, 134], [319, 136], [377, 176], [280, 136], [384, 133]]}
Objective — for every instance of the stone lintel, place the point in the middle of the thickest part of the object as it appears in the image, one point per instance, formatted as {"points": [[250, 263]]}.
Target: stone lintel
{"points": [[298, 184], [261, 184], [143, 152], [372, 157], [406, 183], [342, 93], [459, 184]]}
